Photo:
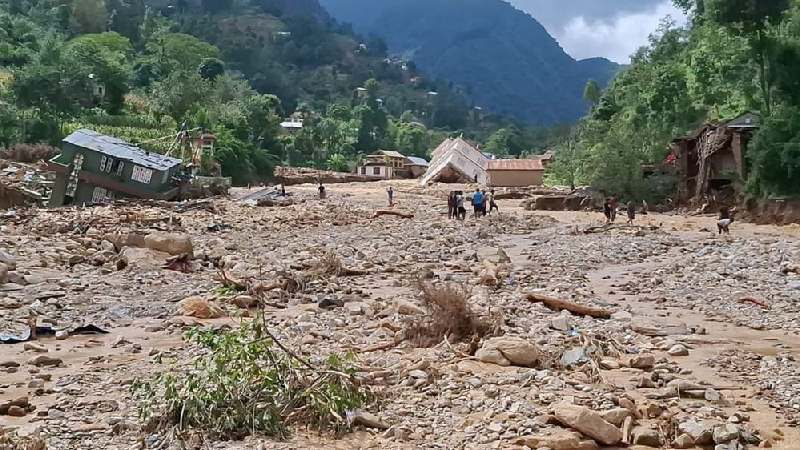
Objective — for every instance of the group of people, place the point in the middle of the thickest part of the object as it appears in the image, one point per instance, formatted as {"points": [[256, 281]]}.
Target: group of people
{"points": [[483, 203], [611, 204]]}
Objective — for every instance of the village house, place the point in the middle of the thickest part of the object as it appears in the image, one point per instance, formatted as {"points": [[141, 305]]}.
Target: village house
{"points": [[515, 172], [384, 164], [93, 167], [415, 166], [710, 162], [458, 161], [292, 125]]}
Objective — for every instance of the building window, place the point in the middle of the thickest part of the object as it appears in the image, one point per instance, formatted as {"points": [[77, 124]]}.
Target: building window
{"points": [[99, 195], [363, 171], [376, 170], [103, 161], [141, 174], [120, 167]]}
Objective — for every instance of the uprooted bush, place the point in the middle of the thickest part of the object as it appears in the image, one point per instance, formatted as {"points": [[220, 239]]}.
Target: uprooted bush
{"points": [[451, 317], [247, 382], [330, 264]]}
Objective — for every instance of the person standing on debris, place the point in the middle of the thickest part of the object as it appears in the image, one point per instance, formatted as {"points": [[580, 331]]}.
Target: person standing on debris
{"points": [[645, 207], [484, 203], [461, 212], [283, 190], [451, 205], [614, 204], [390, 191], [321, 189], [607, 209], [492, 204], [631, 212], [477, 202]]}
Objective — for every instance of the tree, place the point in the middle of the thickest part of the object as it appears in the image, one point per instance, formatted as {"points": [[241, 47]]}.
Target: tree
{"points": [[775, 154], [102, 58], [751, 18], [412, 139], [178, 94], [178, 51], [211, 68], [592, 93], [338, 163], [89, 16]]}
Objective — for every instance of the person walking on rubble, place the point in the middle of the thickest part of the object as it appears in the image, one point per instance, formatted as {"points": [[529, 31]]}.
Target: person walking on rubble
{"points": [[492, 203], [725, 221], [484, 203], [321, 189], [631, 212], [390, 192], [614, 204], [451, 205], [607, 209]]}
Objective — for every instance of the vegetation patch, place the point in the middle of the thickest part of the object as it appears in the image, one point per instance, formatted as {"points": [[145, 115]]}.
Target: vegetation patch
{"points": [[247, 382]]}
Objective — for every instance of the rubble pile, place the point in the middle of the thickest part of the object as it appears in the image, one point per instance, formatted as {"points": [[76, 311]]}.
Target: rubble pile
{"points": [[587, 341]]}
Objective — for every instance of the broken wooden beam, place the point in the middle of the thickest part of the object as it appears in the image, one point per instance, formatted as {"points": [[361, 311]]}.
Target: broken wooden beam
{"points": [[575, 308], [389, 212]]}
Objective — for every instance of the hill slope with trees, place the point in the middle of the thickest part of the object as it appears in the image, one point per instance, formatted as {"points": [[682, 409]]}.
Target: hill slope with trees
{"points": [[734, 56], [140, 69]]}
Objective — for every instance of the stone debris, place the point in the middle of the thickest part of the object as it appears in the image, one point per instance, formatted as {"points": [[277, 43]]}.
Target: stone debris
{"points": [[610, 353]]}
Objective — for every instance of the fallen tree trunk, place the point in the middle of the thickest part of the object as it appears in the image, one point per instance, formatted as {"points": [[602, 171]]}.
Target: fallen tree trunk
{"points": [[559, 305], [389, 212]]}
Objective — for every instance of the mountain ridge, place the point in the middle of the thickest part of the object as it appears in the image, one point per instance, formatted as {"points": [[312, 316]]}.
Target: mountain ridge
{"points": [[503, 57]]}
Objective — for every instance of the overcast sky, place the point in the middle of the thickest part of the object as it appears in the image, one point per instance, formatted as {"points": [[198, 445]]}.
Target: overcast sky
{"points": [[610, 28]]}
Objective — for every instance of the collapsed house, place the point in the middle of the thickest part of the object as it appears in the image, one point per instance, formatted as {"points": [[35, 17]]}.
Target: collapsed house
{"points": [[710, 162], [94, 168], [458, 161], [23, 184]]}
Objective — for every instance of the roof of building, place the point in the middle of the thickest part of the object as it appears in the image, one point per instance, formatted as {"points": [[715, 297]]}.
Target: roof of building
{"points": [[117, 148], [456, 156], [414, 161], [291, 123], [747, 120], [391, 153], [515, 164]]}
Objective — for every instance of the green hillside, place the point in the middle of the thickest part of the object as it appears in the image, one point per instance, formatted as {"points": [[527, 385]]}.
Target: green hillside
{"points": [[139, 69]]}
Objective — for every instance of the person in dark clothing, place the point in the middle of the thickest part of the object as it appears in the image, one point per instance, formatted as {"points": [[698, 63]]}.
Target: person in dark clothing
{"points": [[614, 204], [485, 203], [451, 205], [607, 210], [321, 189], [631, 212], [390, 191], [461, 212]]}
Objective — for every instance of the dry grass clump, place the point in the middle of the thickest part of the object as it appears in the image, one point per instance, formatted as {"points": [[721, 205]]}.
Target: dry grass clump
{"points": [[10, 441], [330, 264], [450, 317]]}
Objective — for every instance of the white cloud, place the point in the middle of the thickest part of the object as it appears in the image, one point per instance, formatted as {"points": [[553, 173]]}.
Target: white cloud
{"points": [[616, 38]]}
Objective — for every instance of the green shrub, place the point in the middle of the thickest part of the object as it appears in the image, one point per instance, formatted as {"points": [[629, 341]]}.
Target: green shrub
{"points": [[246, 383]]}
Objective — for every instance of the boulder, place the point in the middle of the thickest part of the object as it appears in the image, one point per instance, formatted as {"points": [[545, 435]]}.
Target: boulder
{"points": [[588, 422], [643, 362], [561, 323], [3, 273], [700, 432], [141, 258], [725, 433], [8, 259], [366, 419], [559, 440], [683, 441], [200, 308], [406, 308], [615, 416], [678, 350], [646, 436], [172, 243], [508, 351]]}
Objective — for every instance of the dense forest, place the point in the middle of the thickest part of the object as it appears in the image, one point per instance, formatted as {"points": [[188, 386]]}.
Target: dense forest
{"points": [[141, 69], [733, 56]]}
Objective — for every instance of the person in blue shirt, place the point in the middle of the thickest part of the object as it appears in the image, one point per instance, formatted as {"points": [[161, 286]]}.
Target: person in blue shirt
{"points": [[477, 202]]}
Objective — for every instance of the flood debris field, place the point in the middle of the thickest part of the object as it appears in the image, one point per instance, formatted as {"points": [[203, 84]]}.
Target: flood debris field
{"points": [[518, 330]]}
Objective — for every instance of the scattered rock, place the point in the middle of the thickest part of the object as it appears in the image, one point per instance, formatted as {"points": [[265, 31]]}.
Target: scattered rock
{"points": [[725, 433], [643, 362], [45, 361], [171, 243], [615, 416], [588, 422], [366, 419], [678, 350], [683, 441], [700, 432], [646, 436], [200, 308], [507, 351]]}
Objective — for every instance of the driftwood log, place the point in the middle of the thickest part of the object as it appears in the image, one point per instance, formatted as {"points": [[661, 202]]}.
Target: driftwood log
{"points": [[559, 305], [613, 226], [389, 212]]}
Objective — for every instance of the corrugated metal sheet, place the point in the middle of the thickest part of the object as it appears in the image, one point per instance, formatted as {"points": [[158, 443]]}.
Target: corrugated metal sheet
{"points": [[119, 149], [417, 161], [515, 164]]}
